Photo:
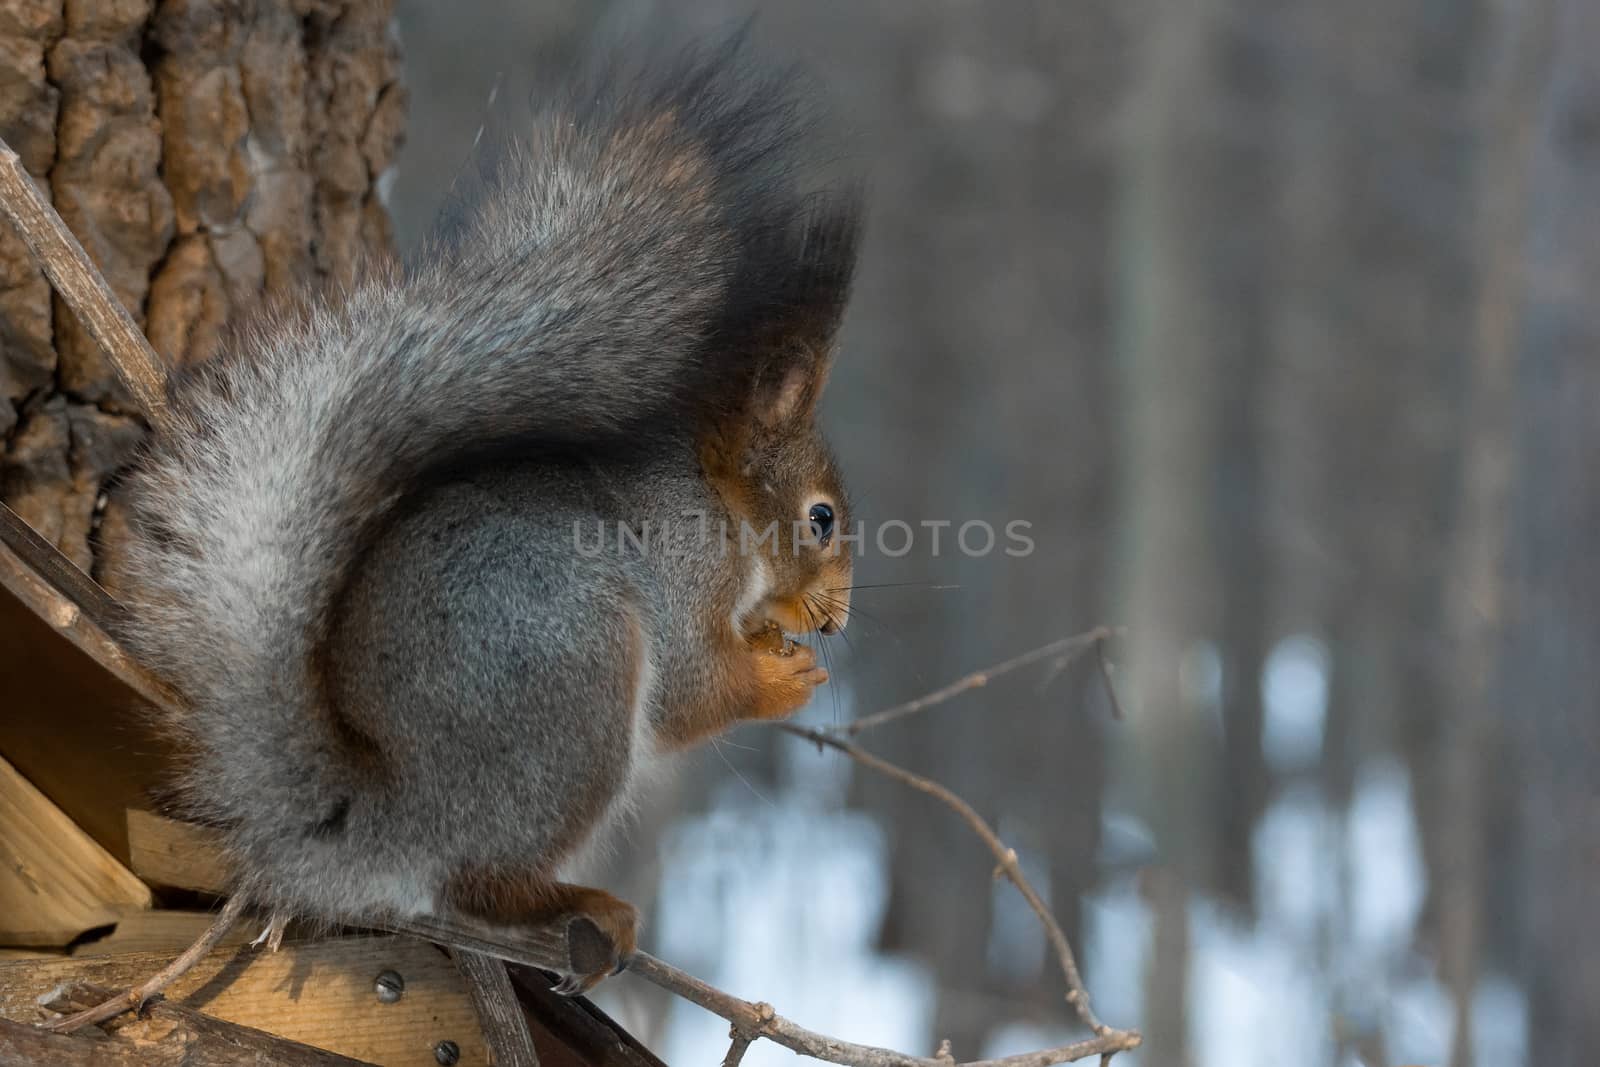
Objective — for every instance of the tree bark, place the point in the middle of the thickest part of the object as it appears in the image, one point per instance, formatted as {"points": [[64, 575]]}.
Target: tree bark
{"points": [[205, 153]]}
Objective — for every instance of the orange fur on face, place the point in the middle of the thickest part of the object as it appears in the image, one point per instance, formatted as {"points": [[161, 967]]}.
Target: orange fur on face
{"points": [[769, 469]]}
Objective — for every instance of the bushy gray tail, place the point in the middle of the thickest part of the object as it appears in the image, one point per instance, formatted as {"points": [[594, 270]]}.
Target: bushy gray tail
{"points": [[633, 255]]}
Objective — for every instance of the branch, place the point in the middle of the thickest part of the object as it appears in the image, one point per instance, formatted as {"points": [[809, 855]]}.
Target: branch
{"points": [[133, 998], [759, 1020], [1105, 679], [751, 1021], [1063, 651], [1005, 858], [81, 286], [741, 1045]]}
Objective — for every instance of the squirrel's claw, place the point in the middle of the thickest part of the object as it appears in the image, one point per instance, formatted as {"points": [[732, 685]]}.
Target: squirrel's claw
{"points": [[272, 936], [571, 986], [575, 985]]}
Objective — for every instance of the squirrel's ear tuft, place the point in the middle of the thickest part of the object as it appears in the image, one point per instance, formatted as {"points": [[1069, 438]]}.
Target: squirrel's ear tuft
{"points": [[796, 341], [825, 265]]}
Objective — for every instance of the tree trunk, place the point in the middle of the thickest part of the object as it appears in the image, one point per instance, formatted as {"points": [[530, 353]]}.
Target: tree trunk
{"points": [[1169, 361], [1554, 675], [1516, 68], [205, 153]]}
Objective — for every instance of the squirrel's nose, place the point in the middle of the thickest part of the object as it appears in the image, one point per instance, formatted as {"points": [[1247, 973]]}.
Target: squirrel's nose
{"points": [[829, 626]]}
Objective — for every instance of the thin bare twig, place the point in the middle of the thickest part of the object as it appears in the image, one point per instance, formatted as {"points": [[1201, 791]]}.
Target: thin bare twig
{"points": [[1005, 859], [760, 1020], [133, 998], [1105, 679], [1064, 650], [741, 1044], [80, 285]]}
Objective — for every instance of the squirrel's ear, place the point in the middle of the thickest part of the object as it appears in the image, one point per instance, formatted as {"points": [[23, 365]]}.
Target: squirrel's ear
{"points": [[805, 324], [787, 305], [791, 395]]}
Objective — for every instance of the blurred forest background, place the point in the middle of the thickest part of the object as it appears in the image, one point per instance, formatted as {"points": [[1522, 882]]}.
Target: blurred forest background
{"points": [[1273, 319], [1276, 320]]}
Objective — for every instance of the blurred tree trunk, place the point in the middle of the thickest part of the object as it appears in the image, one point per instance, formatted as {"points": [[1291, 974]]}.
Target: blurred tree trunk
{"points": [[1250, 77], [205, 153], [1309, 389], [1170, 362], [1430, 307], [1377, 284], [1517, 63], [1554, 669]]}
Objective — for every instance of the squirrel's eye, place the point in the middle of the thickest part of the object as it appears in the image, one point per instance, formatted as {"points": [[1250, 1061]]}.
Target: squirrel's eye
{"points": [[821, 517]]}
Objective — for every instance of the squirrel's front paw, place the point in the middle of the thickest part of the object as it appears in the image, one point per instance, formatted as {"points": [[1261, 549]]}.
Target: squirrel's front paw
{"points": [[786, 673]]}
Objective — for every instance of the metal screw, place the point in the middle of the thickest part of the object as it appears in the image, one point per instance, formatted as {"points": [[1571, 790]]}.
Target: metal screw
{"points": [[389, 986], [446, 1053]]}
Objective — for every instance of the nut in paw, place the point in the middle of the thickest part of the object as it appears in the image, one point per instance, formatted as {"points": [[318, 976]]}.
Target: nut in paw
{"points": [[785, 676]]}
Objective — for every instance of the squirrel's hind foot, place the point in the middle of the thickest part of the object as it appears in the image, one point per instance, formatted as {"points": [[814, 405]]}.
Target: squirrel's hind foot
{"points": [[601, 929], [600, 941]]}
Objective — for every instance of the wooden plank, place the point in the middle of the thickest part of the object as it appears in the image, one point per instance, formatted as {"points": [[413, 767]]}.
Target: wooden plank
{"points": [[581, 1032], [60, 572], [48, 603], [164, 933], [500, 1016], [319, 993], [55, 881], [72, 718], [167, 852]]}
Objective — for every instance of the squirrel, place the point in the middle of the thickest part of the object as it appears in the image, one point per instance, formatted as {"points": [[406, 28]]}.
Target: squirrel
{"points": [[364, 548]]}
